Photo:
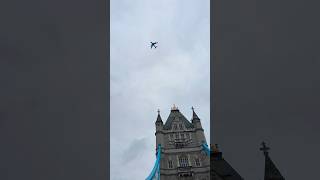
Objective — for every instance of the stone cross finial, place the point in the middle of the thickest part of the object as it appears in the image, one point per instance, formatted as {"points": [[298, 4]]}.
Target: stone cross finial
{"points": [[264, 148], [158, 111], [192, 108], [174, 107]]}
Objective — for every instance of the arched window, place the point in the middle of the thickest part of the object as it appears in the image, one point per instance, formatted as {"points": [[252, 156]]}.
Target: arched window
{"points": [[183, 161], [180, 126], [175, 127]]}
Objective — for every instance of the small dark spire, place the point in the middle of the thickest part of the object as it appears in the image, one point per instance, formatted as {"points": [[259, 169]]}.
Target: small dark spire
{"points": [[264, 148], [159, 117], [194, 115], [271, 172]]}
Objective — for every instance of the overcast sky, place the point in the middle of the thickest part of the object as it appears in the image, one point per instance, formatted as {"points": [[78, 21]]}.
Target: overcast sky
{"points": [[144, 79]]}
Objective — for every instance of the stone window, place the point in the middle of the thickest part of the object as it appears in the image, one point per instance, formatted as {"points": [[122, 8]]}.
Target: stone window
{"points": [[183, 161], [177, 136], [188, 136], [197, 162], [175, 127], [170, 164], [171, 136], [180, 126]]}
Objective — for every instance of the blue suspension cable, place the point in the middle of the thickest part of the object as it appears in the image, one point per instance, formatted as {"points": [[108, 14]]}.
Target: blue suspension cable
{"points": [[155, 173], [156, 169], [206, 149]]}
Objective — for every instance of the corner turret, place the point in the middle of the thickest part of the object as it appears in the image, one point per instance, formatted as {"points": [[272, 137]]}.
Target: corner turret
{"points": [[159, 130], [159, 122], [198, 127]]}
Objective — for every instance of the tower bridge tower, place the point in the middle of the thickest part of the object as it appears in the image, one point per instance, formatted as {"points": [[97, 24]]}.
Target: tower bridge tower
{"points": [[182, 154]]}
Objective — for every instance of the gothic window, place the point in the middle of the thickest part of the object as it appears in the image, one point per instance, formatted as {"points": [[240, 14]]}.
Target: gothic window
{"points": [[171, 136], [183, 161], [177, 136], [197, 161], [175, 127], [180, 126], [170, 165], [182, 136], [188, 136]]}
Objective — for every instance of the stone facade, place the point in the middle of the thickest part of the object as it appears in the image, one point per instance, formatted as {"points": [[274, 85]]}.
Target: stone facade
{"points": [[182, 155]]}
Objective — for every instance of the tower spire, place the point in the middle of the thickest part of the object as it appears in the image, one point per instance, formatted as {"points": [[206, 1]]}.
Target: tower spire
{"points": [[159, 117], [264, 148], [194, 115], [271, 172]]}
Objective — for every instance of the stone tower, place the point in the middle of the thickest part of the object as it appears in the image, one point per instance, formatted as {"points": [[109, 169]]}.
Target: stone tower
{"points": [[182, 154]]}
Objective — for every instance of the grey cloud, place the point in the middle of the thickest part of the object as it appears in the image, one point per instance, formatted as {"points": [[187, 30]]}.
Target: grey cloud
{"points": [[136, 149]]}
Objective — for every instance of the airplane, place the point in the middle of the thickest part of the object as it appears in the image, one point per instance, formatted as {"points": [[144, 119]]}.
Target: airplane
{"points": [[153, 44]]}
